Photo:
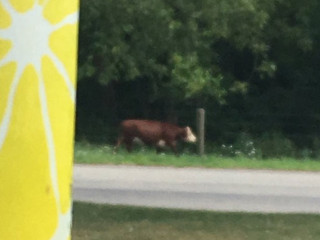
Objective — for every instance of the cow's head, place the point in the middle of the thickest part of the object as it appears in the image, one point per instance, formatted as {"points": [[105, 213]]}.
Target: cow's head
{"points": [[189, 136]]}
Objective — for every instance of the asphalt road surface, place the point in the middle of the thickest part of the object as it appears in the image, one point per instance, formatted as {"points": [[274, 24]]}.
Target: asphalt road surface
{"points": [[199, 189]]}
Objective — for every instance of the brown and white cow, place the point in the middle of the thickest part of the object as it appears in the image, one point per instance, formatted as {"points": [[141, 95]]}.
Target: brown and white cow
{"points": [[154, 133]]}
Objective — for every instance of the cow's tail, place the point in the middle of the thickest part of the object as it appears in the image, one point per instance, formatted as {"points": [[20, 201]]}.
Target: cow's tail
{"points": [[117, 145], [119, 140]]}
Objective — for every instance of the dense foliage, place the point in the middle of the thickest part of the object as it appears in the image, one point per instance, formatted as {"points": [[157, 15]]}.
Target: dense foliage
{"points": [[252, 64]]}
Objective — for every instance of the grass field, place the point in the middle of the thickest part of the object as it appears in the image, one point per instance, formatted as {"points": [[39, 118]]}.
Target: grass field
{"points": [[86, 153], [104, 222]]}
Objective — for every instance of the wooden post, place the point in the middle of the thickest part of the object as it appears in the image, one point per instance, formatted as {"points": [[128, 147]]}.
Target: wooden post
{"points": [[200, 130]]}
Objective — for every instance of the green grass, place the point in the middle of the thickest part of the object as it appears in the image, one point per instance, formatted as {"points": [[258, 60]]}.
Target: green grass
{"points": [[104, 222], [94, 154]]}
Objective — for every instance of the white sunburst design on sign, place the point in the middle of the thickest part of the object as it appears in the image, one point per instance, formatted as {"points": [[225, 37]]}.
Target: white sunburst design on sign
{"points": [[29, 34]]}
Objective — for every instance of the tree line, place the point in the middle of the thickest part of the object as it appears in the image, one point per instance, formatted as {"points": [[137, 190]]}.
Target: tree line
{"points": [[252, 64]]}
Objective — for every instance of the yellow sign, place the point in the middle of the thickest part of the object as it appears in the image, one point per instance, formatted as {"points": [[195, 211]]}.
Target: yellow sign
{"points": [[38, 48]]}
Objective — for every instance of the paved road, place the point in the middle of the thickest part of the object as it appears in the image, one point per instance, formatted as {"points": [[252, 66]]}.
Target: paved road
{"points": [[194, 188]]}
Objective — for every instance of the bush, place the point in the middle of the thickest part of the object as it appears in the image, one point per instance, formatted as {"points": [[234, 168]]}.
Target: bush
{"points": [[275, 145], [243, 146], [96, 130], [316, 148], [269, 145]]}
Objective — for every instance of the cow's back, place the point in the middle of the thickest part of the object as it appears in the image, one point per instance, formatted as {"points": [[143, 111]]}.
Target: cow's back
{"points": [[147, 130]]}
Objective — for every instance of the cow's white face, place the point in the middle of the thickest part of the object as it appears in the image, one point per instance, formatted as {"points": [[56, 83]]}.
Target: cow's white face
{"points": [[190, 136]]}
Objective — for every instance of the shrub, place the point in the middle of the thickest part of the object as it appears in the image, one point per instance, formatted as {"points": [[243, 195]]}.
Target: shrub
{"points": [[316, 148], [243, 146], [275, 145]]}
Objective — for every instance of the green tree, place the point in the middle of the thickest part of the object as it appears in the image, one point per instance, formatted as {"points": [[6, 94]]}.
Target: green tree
{"points": [[251, 63]]}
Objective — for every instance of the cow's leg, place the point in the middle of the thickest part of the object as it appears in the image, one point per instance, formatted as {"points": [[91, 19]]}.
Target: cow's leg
{"points": [[173, 146], [159, 149], [128, 142]]}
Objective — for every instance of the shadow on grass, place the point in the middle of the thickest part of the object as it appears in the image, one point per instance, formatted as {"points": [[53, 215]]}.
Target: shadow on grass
{"points": [[93, 222]]}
